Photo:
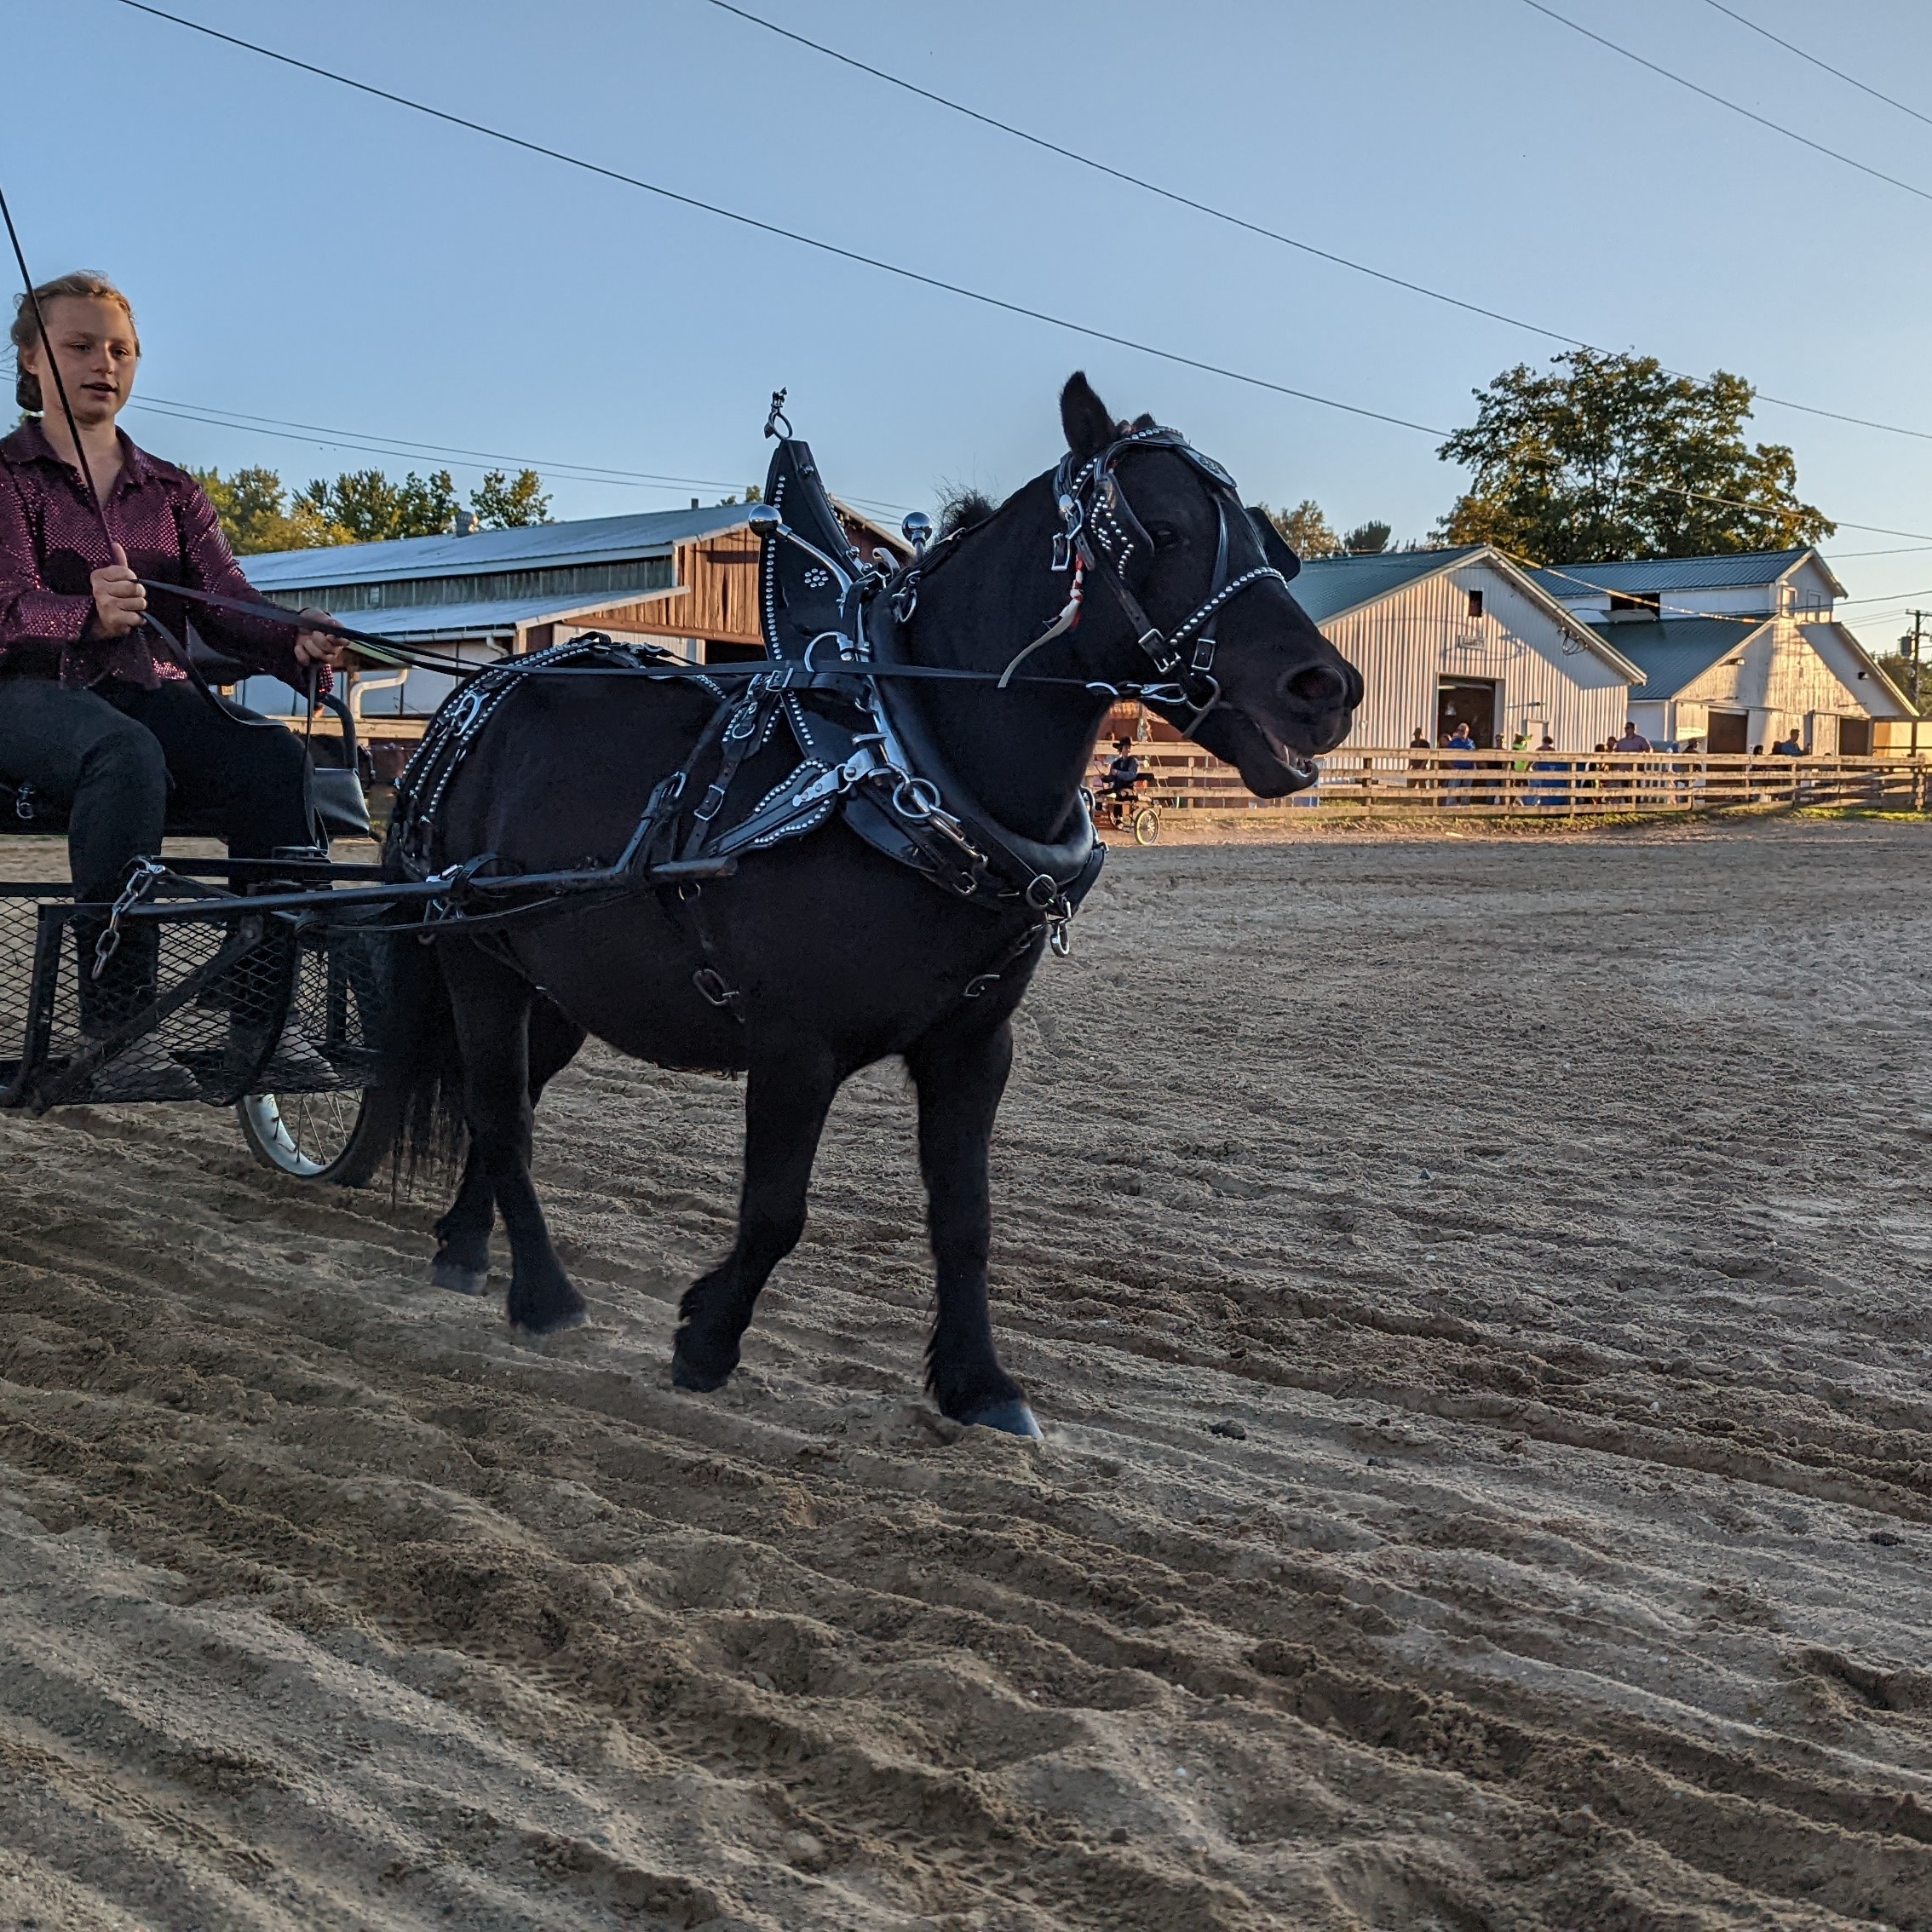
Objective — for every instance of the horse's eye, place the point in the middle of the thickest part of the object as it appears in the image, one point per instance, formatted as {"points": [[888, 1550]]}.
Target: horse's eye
{"points": [[1164, 535]]}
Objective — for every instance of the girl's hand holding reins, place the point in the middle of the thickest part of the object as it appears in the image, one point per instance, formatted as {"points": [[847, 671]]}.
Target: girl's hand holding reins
{"points": [[120, 604], [320, 646]]}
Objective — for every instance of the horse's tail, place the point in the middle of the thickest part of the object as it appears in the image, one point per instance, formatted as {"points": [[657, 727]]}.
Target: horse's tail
{"points": [[422, 1063]]}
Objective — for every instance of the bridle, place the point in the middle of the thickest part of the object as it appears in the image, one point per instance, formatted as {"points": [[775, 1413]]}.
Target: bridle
{"points": [[1100, 534]]}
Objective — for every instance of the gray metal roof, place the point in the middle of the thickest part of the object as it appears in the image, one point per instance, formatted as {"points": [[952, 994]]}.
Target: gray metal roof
{"points": [[1327, 586], [540, 546], [1672, 652], [425, 622], [1646, 574]]}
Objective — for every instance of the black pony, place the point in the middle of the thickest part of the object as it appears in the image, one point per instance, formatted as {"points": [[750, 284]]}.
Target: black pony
{"points": [[825, 955]]}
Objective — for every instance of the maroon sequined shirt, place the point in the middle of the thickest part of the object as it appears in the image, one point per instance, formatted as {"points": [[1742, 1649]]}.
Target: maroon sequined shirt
{"points": [[51, 544]]}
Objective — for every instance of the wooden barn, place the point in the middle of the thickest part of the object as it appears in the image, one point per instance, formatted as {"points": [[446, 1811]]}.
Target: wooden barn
{"points": [[686, 580]]}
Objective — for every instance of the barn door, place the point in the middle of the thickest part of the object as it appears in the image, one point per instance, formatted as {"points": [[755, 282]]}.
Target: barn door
{"points": [[1470, 701], [1726, 733], [1854, 738]]}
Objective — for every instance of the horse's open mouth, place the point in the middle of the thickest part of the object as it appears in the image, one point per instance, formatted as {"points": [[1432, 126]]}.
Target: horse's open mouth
{"points": [[1302, 764]]}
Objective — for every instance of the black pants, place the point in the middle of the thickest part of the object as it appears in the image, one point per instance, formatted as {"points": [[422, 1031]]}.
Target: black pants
{"points": [[117, 755]]}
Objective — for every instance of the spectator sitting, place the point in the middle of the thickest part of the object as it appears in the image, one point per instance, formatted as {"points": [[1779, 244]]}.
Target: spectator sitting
{"points": [[1123, 772], [1788, 746]]}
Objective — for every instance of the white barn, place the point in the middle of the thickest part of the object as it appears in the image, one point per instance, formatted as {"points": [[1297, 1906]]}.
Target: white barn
{"points": [[1737, 651], [1465, 636]]}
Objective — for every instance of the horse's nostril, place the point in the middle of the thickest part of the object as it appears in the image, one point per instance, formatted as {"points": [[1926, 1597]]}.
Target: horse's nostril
{"points": [[1320, 686]]}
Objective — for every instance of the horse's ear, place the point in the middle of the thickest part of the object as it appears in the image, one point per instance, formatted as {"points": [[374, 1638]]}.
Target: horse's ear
{"points": [[1274, 546], [1086, 419]]}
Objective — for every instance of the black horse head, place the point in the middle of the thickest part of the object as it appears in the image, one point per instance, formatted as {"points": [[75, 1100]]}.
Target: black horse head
{"points": [[1204, 585]]}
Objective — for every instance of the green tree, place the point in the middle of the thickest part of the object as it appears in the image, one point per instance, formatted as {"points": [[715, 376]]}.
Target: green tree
{"points": [[375, 509], [1305, 529], [252, 506], [1603, 457], [501, 505], [1366, 540]]}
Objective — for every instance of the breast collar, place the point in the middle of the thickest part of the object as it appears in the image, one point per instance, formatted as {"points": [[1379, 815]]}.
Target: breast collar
{"points": [[1100, 533]]}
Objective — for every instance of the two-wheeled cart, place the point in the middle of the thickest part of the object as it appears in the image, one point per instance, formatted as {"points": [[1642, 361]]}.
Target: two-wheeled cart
{"points": [[239, 1000]]}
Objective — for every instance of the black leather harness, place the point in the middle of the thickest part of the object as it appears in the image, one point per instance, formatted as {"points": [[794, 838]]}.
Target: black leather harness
{"points": [[834, 625]]}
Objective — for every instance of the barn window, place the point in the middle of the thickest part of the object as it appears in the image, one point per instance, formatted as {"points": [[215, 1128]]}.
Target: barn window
{"points": [[1635, 606], [1475, 603]]}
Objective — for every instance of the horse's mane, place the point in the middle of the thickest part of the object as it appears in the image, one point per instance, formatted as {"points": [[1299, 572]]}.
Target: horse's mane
{"points": [[960, 505]]}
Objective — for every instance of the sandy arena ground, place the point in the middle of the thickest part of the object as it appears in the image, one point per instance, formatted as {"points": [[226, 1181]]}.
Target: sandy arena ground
{"points": [[1476, 1290]]}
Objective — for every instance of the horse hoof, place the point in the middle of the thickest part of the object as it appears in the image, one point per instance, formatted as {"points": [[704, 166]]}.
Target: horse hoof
{"points": [[463, 1280], [684, 1375], [1011, 1418], [552, 1324]]}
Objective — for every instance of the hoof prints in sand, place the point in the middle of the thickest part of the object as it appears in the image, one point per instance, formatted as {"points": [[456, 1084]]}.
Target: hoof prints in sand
{"points": [[1533, 1584]]}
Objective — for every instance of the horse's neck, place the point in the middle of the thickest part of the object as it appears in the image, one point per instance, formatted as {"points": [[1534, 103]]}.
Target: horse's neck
{"points": [[1024, 751]]}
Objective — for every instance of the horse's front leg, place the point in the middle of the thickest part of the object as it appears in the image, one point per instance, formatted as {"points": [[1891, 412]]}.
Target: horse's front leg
{"points": [[492, 1006], [960, 1077], [462, 1235], [786, 1098]]}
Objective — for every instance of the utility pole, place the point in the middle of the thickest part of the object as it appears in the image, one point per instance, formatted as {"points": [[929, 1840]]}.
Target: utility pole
{"points": [[1911, 648]]}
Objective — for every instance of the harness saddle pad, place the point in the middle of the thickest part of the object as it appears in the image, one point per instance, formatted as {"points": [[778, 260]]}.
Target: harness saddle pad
{"points": [[800, 604], [799, 598]]}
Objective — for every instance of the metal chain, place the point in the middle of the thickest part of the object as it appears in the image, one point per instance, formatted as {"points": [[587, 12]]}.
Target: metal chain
{"points": [[146, 873]]}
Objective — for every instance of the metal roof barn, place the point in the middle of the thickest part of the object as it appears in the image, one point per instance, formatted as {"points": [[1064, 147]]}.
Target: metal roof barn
{"points": [[683, 580], [1465, 636]]}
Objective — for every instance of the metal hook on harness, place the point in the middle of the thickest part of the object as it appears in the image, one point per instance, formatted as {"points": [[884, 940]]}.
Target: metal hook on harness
{"points": [[777, 414], [916, 798]]}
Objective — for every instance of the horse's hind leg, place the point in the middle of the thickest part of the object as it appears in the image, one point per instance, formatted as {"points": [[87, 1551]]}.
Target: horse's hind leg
{"points": [[960, 1079], [785, 1103], [462, 1235], [492, 1006]]}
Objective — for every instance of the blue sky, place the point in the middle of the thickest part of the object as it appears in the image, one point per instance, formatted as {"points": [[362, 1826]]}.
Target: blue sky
{"points": [[298, 251]]}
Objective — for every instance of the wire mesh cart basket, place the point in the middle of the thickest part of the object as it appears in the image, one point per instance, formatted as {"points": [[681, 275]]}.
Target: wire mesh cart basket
{"points": [[196, 984]]}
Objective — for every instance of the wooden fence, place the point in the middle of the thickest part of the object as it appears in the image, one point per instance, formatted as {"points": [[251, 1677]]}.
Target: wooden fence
{"points": [[1575, 784]]}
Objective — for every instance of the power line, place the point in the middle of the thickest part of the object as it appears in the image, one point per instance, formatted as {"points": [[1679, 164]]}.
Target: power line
{"points": [[950, 288], [1837, 73], [1889, 597], [1137, 180], [1762, 120], [1242, 221], [1767, 509], [412, 451], [785, 235]]}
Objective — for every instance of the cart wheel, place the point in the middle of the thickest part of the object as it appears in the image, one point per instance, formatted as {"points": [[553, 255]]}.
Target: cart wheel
{"points": [[1146, 825], [343, 1137]]}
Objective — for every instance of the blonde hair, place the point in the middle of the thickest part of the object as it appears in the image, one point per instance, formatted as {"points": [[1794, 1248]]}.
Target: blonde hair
{"points": [[82, 283]]}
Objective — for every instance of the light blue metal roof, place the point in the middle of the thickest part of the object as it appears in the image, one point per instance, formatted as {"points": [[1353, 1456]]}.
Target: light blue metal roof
{"points": [[1643, 575], [428, 621], [540, 546], [1672, 652], [1327, 586]]}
